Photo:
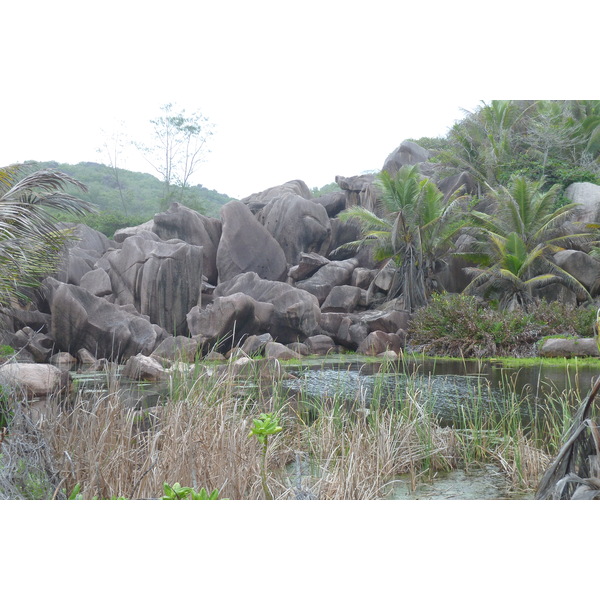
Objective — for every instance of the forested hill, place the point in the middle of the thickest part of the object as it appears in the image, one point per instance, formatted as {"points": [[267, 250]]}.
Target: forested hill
{"points": [[127, 198]]}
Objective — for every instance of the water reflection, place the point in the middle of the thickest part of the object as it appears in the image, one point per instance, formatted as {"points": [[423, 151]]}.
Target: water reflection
{"points": [[453, 388]]}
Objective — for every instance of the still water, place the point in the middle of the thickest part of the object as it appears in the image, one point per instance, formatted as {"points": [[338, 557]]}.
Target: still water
{"points": [[448, 385]]}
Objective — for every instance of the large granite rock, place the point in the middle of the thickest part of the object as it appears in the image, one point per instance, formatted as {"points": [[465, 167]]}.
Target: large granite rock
{"points": [[256, 202], [222, 324], [378, 341], [407, 153], [334, 202], [82, 253], [180, 222], [299, 225], [161, 279], [34, 380], [580, 265], [568, 347], [463, 181], [341, 298], [82, 320], [360, 190], [295, 313], [334, 273], [587, 195], [247, 246], [122, 234]]}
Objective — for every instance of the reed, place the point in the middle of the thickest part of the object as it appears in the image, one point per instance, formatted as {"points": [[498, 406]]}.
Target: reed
{"points": [[331, 446]]}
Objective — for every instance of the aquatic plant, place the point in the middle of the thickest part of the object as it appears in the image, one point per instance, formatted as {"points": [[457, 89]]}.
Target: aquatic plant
{"points": [[344, 447]]}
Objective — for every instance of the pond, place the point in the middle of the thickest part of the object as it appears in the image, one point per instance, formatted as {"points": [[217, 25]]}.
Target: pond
{"points": [[448, 384]]}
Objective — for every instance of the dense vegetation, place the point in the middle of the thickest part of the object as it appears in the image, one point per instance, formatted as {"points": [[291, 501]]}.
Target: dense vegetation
{"points": [[557, 140], [126, 198], [465, 326], [519, 156]]}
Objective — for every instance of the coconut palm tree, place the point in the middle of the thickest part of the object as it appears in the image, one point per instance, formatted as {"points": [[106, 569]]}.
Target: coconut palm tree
{"points": [[416, 232], [517, 242], [31, 239], [487, 139]]}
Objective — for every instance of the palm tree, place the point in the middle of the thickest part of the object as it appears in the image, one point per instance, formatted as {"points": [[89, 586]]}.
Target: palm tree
{"points": [[31, 239], [517, 243], [487, 139], [415, 231]]}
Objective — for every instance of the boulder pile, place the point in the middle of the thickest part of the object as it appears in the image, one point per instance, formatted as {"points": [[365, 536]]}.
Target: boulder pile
{"points": [[267, 277]]}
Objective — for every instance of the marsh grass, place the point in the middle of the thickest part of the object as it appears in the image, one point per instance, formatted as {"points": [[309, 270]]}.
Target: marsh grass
{"points": [[330, 447]]}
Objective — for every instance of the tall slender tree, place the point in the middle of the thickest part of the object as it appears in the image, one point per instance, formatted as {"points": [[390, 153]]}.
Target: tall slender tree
{"points": [[180, 143]]}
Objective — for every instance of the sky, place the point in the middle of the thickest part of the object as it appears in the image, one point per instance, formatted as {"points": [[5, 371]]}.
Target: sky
{"points": [[294, 90]]}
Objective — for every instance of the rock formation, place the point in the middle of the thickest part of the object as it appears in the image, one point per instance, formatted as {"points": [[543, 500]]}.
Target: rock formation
{"points": [[268, 277]]}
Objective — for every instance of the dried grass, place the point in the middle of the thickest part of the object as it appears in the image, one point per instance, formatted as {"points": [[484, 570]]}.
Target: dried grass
{"points": [[200, 439]]}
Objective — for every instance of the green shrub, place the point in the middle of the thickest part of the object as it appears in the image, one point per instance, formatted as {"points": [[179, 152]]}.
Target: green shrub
{"points": [[6, 351], [461, 325]]}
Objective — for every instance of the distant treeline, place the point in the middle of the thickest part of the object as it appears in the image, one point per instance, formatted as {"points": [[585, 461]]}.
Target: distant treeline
{"points": [[126, 198]]}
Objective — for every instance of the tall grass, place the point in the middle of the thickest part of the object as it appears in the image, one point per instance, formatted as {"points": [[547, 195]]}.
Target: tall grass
{"points": [[330, 447]]}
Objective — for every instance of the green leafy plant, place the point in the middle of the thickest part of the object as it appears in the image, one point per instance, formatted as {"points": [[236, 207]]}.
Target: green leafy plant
{"points": [[6, 351], [262, 428], [179, 492]]}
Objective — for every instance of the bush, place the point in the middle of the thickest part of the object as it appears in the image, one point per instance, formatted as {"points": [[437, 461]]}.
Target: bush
{"points": [[461, 325], [107, 223]]}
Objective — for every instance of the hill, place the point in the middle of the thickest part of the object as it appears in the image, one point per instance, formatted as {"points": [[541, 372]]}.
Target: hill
{"points": [[127, 198]]}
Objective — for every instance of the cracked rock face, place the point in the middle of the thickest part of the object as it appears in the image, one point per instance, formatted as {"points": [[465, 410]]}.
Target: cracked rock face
{"points": [[295, 313], [161, 279], [299, 225], [187, 225], [82, 320]]}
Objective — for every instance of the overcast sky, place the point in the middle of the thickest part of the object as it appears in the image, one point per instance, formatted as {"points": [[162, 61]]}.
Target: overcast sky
{"points": [[296, 90]]}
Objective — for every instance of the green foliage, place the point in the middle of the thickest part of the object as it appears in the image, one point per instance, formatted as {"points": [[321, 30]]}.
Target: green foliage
{"points": [[6, 351], [518, 240], [326, 189], [416, 230], [557, 140], [435, 144], [264, 427], [462, 325], [267, 424], [31, 239], [77, 495], [554, 172], [178, 492], [143, 193], [107, 223]]}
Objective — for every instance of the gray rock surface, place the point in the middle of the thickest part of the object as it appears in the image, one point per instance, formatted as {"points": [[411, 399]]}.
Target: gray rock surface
{"points": [[180, 222], [295, 313], [82, 320], [336, 272], [580, 265], [568, 347], [161, 279], [34, 380], [256, 202], [408, 153], [247, 246], [341, 298], [587, 195], [299, 225], [227, 320]]}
